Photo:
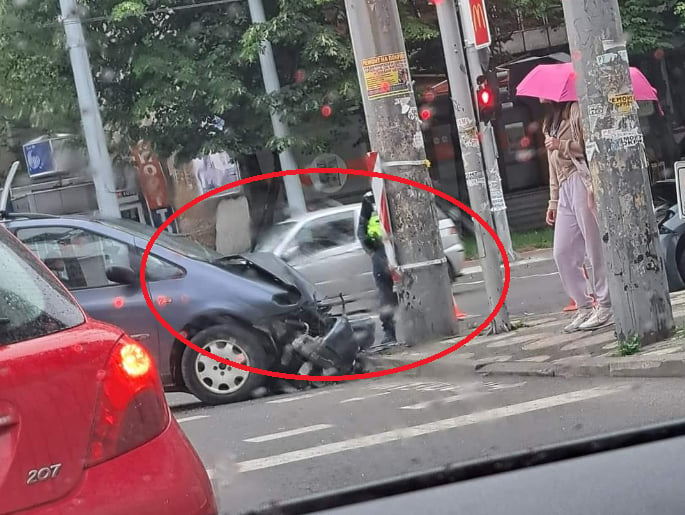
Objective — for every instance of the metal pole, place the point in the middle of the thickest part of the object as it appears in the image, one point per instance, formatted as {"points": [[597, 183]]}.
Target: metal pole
{"points": [[615, 150], [489, 149], [293, 186], [462, 102], [93, 130], [426, 306]]}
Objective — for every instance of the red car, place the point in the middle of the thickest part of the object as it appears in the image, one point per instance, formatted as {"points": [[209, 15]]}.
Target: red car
{"points": [[84, 425]]}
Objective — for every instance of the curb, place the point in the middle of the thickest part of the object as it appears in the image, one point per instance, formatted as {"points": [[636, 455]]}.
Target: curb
{"points": [[599, 367], [636, 368]]}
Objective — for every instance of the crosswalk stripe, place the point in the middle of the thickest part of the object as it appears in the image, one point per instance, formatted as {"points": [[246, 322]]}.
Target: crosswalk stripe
{"points": [[444, 400], [462, 396], [398, 386], [428, 428], [287, 434]]}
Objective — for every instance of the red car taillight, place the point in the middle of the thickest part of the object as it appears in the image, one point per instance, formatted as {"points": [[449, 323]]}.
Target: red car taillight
{"points": [[131, 408]]}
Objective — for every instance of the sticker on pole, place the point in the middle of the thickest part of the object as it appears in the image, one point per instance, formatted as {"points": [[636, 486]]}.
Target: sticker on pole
{"points": [[387, 76]]}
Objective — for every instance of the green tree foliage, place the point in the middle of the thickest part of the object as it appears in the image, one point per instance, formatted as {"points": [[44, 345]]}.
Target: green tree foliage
{"points": [[648, 24], [189, 80]]}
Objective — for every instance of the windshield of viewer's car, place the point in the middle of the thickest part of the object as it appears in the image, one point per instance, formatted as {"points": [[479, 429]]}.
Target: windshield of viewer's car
{"points": [[412, 273]]}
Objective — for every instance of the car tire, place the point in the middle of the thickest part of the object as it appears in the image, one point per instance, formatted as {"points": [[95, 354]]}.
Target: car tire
{"points": [[215, 383], [450, 271]]}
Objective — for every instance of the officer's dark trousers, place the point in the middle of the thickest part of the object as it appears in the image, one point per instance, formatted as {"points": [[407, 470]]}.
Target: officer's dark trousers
{"points": [[386, 295]]}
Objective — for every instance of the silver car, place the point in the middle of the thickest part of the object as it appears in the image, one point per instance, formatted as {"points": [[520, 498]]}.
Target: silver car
{"points": [[324, 247]]}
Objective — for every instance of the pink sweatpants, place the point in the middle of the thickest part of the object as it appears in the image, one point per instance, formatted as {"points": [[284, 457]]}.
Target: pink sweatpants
{"points": [[576, 235]]}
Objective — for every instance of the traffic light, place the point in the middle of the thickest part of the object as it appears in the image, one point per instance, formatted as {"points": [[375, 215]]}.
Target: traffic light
{"points": [[488, 96]]}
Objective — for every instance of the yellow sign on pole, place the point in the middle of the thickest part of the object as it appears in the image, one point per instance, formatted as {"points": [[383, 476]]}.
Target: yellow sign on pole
{"points": [[386, 76]]}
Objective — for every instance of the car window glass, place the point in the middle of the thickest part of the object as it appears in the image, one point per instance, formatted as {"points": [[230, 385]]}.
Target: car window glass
{"points": [[326, 233], [158, 269], [32, 303], [79, 258]]}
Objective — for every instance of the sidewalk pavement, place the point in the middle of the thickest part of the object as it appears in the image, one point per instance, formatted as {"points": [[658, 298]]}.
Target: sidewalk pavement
{"points": [[539, 348]]}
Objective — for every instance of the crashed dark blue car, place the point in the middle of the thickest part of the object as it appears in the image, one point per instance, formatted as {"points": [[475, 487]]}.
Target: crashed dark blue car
{"points": [[252, 309]]}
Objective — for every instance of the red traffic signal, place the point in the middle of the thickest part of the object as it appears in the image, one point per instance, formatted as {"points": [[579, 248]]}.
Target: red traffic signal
{"points": [[486, 104], [425, 114], [485, 97]]}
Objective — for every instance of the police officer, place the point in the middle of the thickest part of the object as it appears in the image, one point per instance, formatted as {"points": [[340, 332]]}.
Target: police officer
{"points": [[370, 234]]}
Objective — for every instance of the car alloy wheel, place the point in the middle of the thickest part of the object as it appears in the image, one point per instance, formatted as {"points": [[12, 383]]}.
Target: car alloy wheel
{"points": [[220, 378]]}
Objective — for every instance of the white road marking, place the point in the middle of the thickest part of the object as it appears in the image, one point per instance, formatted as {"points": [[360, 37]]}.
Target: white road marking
{"points": [[298, 397], [188, 419], [507, 386], [428, 428], [357, 399], [289, 433], [397, 386], [462, 396], [444, 400]]}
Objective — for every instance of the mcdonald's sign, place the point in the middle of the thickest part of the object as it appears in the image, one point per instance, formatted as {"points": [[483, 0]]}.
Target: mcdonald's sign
{"points": [[476, 25]]}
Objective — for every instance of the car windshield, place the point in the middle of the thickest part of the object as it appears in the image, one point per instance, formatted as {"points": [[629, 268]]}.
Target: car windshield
{"points": [[32, 302], [398, 235], [270, 239], [184, 246]]}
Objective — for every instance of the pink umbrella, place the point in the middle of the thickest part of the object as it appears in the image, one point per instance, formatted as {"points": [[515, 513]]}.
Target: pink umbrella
{"points": [[557, 82]]}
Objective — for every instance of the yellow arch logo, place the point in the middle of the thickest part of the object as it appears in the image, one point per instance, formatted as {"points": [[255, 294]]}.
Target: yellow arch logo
{"points": [[478, 16]]}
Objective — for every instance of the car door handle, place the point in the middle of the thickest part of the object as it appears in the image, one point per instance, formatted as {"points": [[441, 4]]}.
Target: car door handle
{"points": [[140, 337]]}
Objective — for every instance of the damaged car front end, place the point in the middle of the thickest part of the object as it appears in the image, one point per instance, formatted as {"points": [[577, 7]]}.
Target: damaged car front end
{"points": [[306, 338]]}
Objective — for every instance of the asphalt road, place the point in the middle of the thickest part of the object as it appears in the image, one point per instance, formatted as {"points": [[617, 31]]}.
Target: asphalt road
{"points": [[284, 447], [535, 288]]}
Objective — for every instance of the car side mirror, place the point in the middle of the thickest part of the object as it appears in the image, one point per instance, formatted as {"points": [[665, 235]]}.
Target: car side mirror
{"points": [[289, 253], [121, 275]]}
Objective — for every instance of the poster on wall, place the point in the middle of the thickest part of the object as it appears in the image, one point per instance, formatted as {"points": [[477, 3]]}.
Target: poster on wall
{"points": [[216, 170]]}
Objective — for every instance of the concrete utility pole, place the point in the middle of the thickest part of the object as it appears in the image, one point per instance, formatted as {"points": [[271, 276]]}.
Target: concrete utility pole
{"points": [[293, 186], [489, 149], [615, 151], [425, 295], [462, 102], [93, 130]]}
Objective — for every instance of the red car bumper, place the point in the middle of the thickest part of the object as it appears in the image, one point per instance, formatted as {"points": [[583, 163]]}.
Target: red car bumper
{"points": [[163, 477]]}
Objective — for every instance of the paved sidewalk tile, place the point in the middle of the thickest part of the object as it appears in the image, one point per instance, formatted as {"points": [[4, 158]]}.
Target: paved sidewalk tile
{"points": [[538, 347]]}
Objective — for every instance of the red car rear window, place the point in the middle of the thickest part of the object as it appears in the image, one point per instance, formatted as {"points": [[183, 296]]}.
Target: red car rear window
{"points": [[32, 302]]}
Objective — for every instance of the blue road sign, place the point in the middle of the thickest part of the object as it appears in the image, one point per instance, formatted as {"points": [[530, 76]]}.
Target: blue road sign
{"points": [[39, 159]]}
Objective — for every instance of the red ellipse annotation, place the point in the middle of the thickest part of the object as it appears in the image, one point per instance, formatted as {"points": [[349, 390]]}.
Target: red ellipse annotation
{"points": [[380, 373]]}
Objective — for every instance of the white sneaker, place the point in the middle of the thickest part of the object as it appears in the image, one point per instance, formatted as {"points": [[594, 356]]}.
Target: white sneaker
{"points": [[601, 317], [582, 316]]}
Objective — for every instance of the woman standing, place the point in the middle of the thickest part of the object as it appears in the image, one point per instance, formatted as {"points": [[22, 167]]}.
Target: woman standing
{"points": [[572, 212]]}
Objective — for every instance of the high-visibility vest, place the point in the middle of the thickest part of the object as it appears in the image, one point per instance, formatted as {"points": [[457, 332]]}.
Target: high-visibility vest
{"points": [[374, 230]]}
